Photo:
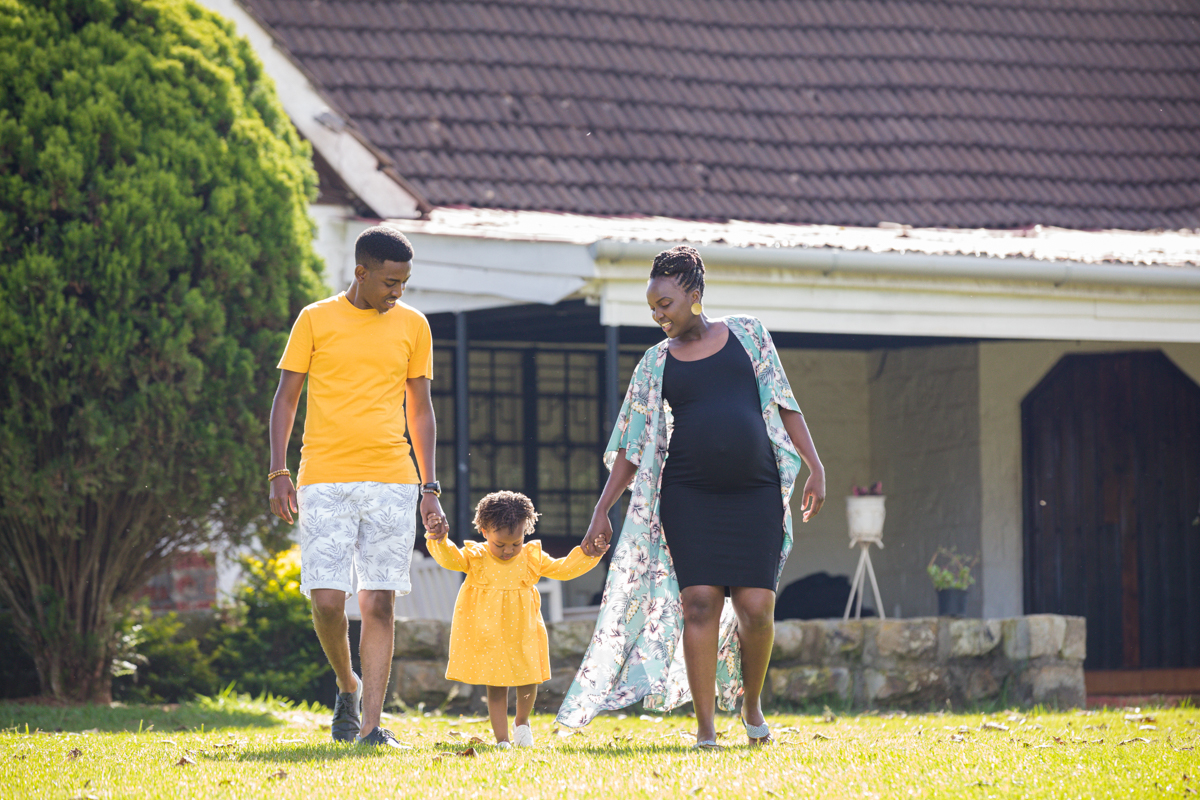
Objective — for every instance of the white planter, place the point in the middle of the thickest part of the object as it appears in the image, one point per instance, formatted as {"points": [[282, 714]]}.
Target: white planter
{"points": [[865, 515]]}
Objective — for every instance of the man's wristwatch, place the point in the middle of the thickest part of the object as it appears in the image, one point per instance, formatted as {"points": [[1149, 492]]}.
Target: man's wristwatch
{"points": [[433, 487]]}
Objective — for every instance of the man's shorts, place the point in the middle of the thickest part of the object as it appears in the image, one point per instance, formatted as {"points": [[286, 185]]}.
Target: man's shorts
{"points": [[365, 526]]}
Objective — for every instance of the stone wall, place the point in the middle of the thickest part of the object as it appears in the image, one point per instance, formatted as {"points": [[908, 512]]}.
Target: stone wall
{"points": [[929, 661], [914, 663]]}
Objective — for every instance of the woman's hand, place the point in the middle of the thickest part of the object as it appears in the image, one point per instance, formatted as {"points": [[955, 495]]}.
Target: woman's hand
{"points": [[599, 534], [814, 494]]}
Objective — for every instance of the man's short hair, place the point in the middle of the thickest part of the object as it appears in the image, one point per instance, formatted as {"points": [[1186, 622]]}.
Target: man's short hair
{"points": [[379, 244]]}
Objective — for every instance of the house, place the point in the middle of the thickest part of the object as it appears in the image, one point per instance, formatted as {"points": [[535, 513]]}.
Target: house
{"points": [[971, 227]]}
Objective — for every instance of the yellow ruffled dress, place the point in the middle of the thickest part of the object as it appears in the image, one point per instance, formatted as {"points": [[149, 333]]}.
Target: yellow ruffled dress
{"points": [[497, 637]]}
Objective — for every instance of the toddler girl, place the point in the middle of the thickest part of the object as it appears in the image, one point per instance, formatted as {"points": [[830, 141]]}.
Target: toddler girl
{"points": [[497, 637]]}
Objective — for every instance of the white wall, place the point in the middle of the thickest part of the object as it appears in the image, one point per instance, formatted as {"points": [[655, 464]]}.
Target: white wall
{"points": [[925, 448], [1007, 372], [831, 387], [337, 228]]}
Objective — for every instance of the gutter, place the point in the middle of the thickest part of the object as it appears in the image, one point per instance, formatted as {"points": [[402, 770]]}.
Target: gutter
{"points": [[829, 261]]}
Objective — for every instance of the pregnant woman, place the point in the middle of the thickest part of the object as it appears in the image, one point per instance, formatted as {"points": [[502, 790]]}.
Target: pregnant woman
{"points": [[712, 439]]}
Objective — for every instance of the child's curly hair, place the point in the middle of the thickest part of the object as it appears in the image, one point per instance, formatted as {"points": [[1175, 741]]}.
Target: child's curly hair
{"points": [[505, 510]]}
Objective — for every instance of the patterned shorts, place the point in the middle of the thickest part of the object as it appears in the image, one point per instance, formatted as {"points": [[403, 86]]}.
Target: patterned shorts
{"points": [[365, 527]]}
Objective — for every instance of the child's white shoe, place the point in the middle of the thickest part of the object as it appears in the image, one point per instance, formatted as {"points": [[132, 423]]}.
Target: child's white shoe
{"points": [[503, 745], [523, 736]]}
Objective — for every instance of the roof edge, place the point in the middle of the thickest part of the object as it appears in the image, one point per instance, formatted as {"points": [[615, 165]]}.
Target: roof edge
{"points": [[365, 169], [831, 260]]}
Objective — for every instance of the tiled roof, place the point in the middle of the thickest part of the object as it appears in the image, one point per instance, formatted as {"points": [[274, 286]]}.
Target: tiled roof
{"points": [[983, 113]]}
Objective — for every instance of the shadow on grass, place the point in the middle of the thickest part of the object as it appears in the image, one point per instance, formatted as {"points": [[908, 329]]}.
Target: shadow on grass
{"points": [[15, 717], [302, 753]]}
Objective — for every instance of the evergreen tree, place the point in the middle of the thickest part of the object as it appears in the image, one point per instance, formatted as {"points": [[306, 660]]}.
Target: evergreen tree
{"points": [[154, 247]]}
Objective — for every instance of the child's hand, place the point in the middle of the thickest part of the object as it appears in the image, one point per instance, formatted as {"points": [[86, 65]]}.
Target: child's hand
{"points": [[599, 534], [434, 532]]}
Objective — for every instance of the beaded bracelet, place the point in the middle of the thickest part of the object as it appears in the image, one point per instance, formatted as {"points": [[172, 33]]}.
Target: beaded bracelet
{"points": [[273, 475]]}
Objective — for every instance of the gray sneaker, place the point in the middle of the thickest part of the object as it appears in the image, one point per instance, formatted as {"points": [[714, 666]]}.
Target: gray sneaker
{"points": [[347, 714], [382, 737]]}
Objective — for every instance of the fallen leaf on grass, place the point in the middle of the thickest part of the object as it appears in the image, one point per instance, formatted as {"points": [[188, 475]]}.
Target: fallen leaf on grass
{"points": [[277, 776], [468, 753], [74, 754], [1139, 718], [993, 726], [225, 744], [185, 761], [1134, 739], [820, 736], [475, 740], [655, 773], [957, 737], [1184, 749], [1147, 727], [435, 759], [696, 790], [289, 741], [565, 732], [225, 782], [455, 734]]}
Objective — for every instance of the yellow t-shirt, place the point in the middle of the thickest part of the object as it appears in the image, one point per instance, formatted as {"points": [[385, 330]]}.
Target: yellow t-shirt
{"points": [[357, 363]]}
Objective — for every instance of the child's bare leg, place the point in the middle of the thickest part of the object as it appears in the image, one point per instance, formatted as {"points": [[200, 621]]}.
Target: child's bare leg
{"points": [[525, 697], [497, 699]]}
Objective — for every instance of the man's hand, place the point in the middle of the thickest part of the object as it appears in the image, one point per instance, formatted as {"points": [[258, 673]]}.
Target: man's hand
{"points": [[283, 498], [436, 525], [814, 495], [599, 534]]}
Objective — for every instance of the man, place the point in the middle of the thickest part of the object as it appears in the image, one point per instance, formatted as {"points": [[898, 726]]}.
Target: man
{"points": [[363, 352]]}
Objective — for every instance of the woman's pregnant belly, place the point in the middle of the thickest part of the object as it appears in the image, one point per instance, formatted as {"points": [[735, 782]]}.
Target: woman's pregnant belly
{"points": [[720, 448]]}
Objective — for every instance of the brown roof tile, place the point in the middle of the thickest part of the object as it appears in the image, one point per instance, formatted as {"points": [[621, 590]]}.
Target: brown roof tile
{"points": [[996, 113]]}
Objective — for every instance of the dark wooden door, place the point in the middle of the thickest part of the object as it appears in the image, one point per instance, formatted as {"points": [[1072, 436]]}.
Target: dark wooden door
{"points": [[1112, 483]]}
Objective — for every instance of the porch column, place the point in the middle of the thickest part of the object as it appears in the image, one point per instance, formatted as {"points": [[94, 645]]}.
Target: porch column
{"points": [[462, 433], [612, 399]]}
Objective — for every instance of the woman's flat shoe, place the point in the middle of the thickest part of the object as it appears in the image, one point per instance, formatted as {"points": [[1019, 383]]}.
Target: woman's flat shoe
{"points": [[758, 734]]}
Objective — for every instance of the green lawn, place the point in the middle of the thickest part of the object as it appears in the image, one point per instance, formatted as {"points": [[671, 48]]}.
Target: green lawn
{"points": [[229, 748]]}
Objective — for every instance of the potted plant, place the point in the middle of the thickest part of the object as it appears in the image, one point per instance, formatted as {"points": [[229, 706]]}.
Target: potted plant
{"points": [[950, 572]]}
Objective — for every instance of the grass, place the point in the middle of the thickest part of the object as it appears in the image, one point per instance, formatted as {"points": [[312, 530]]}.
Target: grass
{"points": [[231, 747]]}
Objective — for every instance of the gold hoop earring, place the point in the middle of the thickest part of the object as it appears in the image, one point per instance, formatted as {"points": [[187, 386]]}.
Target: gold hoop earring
{"points": [[697, 309]]}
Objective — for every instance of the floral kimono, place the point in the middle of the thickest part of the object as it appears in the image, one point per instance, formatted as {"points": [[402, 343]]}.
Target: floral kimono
{"points": [[636, 652]]}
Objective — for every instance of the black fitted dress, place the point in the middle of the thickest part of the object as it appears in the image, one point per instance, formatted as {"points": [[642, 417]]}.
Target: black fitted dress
{"points": [[720, 501]]}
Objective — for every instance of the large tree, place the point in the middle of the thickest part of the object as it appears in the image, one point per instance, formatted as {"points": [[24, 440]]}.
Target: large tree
{"points": [[154, 246]]}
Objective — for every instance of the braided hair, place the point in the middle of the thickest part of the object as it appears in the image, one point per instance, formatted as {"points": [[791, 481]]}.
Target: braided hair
{"points": [[684, 264]]}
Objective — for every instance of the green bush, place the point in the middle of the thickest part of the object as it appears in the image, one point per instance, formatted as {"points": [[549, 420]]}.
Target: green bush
{"points": [[155, 247], [155, 664], [18, 674], [266, 642], [261, 644]]}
